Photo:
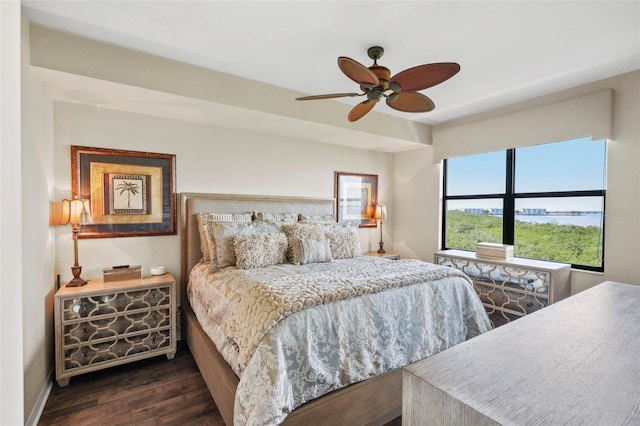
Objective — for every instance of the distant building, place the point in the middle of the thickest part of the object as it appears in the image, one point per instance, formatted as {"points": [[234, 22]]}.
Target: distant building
{"points": [[476, 211], [534, 211], [496, 212]]}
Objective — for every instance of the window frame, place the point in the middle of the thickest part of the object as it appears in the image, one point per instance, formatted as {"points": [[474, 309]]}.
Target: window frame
{"points": [[509, 198]]}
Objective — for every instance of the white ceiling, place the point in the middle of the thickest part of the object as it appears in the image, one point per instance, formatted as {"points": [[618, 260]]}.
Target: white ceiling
{"points": [[508, 51]]}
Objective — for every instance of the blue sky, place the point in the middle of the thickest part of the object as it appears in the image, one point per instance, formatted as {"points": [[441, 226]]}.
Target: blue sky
{"points": [[564, 166]]}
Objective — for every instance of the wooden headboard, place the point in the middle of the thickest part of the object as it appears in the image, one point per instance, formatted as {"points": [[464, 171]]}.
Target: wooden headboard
{"points": [[192, 203]]}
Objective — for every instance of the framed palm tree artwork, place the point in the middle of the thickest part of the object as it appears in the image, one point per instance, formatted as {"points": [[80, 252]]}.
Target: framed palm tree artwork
{"points": [[130, 193]]}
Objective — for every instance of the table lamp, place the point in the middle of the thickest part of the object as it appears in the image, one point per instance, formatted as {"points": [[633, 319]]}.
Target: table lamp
{"points": [[380, 215], [74, 212]]}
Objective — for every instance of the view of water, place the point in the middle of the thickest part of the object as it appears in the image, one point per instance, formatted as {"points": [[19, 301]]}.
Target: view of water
{"points": [[582, 220]]}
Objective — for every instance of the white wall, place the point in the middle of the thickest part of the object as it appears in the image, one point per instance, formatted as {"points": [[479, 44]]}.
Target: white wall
{"points": [[416, 180], [11, 362], [38, 276], [208, 159], [418, 188]]}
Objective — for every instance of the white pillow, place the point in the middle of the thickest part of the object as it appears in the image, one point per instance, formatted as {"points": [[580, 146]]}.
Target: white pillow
{"points": [[204, 219], [259, 250], [281, 218], [311, 251], [324, 218], [340, 227]]}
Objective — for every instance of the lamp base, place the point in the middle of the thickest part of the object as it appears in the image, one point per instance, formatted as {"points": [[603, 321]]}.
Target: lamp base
{"points": [[76, 281], [381, 249]]}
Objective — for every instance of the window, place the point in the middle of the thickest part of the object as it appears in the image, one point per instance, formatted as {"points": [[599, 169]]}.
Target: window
{"points": [[547, 200]]}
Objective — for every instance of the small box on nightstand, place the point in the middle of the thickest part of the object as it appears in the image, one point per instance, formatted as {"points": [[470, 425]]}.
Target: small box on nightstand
{"points": [[121, 273], [494, 251]]}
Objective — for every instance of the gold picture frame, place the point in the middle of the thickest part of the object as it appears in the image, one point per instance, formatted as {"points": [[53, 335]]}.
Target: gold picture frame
{"points": [[356, 198], [131, 193]]}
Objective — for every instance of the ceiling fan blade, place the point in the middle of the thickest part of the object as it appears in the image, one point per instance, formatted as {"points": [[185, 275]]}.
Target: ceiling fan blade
{"points": [[357, 72], [328, 96], [424, 76], [360, 110], [411, 102]]}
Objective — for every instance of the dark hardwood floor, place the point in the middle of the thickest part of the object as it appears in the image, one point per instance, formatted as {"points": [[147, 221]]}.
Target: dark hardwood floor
{"points": [[155, 391]]}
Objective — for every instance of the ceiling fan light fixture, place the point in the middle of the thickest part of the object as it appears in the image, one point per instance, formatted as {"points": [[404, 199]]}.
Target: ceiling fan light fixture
{"points": [[395, 87], [375, 95], [392, 97]]}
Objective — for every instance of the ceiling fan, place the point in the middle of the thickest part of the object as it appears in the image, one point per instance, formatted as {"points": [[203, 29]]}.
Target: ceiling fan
{"points": [[400, 91]]}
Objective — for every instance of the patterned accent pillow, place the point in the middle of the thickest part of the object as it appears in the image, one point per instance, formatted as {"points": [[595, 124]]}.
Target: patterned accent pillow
{"points": [[204, 219], [311, 251], [221, 234], [341, 227], [280, 218], [323, 218], [295, 231], [345, 243], [258, 250]]}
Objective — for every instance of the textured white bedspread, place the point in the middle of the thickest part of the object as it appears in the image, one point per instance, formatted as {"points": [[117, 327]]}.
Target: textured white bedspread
{"points": [[328, 346]]}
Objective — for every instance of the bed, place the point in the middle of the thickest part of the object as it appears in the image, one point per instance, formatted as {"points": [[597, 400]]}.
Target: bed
{"points": [[236, 368]]}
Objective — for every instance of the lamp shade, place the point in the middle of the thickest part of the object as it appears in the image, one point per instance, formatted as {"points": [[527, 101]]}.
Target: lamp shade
{"points": [[74, 212], [55, 213], [381, 212]]}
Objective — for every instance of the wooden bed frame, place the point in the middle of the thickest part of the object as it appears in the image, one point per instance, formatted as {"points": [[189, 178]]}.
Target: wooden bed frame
{"points": [[375, 401]]}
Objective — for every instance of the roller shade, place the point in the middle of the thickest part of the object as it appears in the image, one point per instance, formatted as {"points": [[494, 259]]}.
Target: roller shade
{"points": [[583, 116]]}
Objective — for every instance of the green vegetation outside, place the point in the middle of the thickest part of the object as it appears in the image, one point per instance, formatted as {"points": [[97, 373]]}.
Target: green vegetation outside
{"points": [[578, 245]]}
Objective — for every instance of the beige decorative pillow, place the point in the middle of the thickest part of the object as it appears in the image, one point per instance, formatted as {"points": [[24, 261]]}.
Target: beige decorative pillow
{"points": [[311, 251], [204, 219], [259, 250], [281, 218], [323, 218], [299, 231], [344, 245], [222, 235]]}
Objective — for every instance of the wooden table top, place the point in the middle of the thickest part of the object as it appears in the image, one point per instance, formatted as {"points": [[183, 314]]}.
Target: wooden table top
{"points": [[575, 362]]}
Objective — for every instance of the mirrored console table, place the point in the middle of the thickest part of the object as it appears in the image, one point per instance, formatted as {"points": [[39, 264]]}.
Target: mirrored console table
{"points": [[510, 288]]}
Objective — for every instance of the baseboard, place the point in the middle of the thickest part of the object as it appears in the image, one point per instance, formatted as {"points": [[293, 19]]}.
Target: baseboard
{"points": [[38, 407]]}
